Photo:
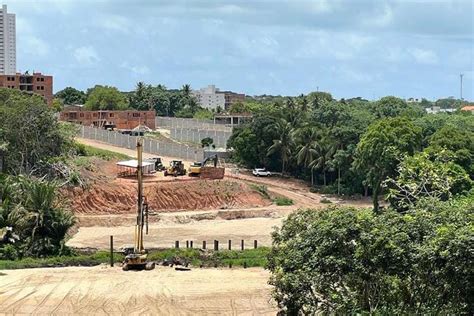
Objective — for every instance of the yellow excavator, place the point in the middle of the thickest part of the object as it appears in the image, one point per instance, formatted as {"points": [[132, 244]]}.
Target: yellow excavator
{"points": [[196, 168], [136, 258]]}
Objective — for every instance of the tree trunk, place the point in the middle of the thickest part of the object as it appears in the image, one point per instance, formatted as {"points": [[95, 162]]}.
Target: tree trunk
{"points": [[375, 197], [338, 181], [324, 176], [282, 167], [312, 177]]}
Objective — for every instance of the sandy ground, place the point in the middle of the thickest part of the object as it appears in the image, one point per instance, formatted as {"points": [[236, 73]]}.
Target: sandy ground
{"points": [[103, 291], [164, 235]]}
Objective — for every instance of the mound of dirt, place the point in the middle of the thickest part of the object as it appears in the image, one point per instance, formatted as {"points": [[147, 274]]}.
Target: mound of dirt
{"points": [[119, 196]]}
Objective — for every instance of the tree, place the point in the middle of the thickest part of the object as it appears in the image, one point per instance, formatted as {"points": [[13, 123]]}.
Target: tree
{"points": [[392, 106], [421, 176], [284, 144], [57, 105], [347, 261], [31, 131], [381, 148], [71, 96], [308, 137], [245, 146], [186, 90], [322, 154], [206, 142], [105, 98]]}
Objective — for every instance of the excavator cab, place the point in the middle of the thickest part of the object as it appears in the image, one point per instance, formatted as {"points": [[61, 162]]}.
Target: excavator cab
{"points": [[196, 168]]}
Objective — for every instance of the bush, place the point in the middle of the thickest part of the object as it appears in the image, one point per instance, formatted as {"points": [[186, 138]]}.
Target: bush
{"points": [[282, 201], [262, 189], [345, 260]]}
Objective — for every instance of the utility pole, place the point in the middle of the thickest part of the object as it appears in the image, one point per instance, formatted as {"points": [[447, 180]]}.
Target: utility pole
{"points": [[460, 76]]}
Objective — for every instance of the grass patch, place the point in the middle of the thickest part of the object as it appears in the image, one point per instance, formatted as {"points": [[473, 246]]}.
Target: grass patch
{"points": [[262, 189], [207, 258], [89, 151], [60, 261], [282, 201]]}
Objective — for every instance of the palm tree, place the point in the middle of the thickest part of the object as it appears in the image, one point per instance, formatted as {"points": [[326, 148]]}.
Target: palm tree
{"points": [[186, 89], [322, 152], [308, 137], [284, 144]]}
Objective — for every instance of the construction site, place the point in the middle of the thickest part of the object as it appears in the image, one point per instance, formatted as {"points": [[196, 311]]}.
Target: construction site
{"points": [[150, 202]]}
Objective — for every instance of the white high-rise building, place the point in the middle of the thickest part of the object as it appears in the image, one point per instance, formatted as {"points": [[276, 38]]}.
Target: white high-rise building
{"points": [[210, 97], [7, 42]]}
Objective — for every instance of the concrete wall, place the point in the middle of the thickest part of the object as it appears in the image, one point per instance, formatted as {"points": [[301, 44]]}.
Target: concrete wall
{"points": [[195, 135], [151, 146], [175, 122]]}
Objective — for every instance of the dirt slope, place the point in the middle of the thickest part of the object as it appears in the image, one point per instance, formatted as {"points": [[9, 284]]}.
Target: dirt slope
{"points": [[119, 196]]}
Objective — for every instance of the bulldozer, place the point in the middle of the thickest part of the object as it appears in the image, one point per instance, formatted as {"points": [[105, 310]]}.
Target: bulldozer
{"points": [[176, 168], [136, 258], [196, 168]]}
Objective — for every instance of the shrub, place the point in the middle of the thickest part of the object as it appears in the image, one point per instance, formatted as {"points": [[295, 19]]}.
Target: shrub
{"points": [[282, 201]]}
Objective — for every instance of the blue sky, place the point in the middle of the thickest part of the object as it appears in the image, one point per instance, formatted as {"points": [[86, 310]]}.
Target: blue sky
{"points": [[349, 48]]}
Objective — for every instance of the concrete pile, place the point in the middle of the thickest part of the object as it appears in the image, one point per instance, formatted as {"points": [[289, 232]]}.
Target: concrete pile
{"points": [[212, 173]]}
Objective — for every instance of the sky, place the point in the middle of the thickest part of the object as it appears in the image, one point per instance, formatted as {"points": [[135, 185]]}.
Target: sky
{"points": [[351, 48]]}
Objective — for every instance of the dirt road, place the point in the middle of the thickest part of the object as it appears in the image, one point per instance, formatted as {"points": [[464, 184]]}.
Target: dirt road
{"points": [[163, 291]]}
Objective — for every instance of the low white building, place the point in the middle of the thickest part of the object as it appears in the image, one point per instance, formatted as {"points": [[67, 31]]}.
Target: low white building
{"points": [[210, 97]]}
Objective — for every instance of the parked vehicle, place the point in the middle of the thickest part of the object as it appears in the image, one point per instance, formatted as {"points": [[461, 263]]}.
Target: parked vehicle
{"points": [[176, 168], [261, 172], [158, 163]]}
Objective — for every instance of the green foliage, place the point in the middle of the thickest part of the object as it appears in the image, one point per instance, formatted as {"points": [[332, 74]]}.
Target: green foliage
{"points": [[57, 105], [89, 151], [262, 189], [71, 96], [31, 208], [165, 102], [381, 148], [29, 132], [282, 201], [203, 114], [105, 98], [345, 261], [206, 142], [421, 177]]}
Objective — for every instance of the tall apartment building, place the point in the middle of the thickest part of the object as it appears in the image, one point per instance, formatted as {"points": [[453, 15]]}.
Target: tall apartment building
{"points": [[35, 83], [7, 42], [211, 98]]}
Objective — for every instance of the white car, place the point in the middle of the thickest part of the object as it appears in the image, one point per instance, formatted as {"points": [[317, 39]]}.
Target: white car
{"points": [[261, 172]]}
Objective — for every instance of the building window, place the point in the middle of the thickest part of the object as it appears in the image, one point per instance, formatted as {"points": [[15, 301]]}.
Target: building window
{"points": [[111, 114], [81, 114], [136, 114]]}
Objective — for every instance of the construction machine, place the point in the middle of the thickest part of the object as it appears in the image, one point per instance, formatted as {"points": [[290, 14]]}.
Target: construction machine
{"points": [[158, 163], [136, 258], [196, 168], [176, 168]]}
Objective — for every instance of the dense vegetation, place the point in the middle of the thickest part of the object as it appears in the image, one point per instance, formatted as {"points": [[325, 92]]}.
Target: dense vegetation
{"points": [[355, 146], [33, 221], [166, 102], [350, 261]]}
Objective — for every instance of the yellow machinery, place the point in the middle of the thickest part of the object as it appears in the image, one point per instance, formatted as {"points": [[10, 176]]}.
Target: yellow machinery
{"points": [[137, 258], [176, 168], [196, 168]]}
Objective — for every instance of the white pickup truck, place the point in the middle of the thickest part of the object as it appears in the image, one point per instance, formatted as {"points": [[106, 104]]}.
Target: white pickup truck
{"points": [[261, 172]]}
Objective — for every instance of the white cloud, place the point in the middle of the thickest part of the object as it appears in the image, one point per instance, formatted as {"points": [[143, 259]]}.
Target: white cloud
{"points": [[86, 55], [115, 23], [136, 70], [424, 56], [381, 19]]}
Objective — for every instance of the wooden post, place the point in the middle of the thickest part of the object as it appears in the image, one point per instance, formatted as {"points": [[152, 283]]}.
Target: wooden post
{"points": [[176, 244], [111, 250], [230, 244], [191, 244], [216, 245], [255, 244], [187, 243], [203, 244], [242, 244]]}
